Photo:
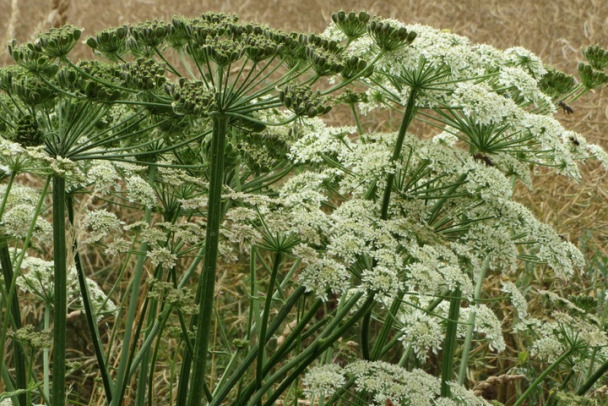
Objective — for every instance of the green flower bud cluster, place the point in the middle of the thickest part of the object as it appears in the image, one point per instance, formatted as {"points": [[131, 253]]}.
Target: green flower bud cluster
{"points": [[27, 133], [224, 51], [191, 97], [111, 43], [79, 83], [354, 66], [324, 62], [8, 74], [587, 303], [323, 55], [219, 17], [303, 101], [145, 74], [291, 51], [353, 25], [31, 90], [314, 40], [349, 97], [590, 77], [31, 338], [148, 34], [555, 83], [389, 38], [258, 47], [596, 56], [31, 57], [58, 42]]}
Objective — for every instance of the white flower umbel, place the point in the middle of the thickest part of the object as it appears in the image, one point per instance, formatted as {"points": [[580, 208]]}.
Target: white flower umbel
{"points": [[521, 85], [387, 383], [518, 56], [383, 281], [17, 219], [486, 324], [517, 299], [319, 142], [322, 381], [163, 257], [480, 103], [100, 223], [104, 177], [327, 275], [422, 332], [140, 191]]}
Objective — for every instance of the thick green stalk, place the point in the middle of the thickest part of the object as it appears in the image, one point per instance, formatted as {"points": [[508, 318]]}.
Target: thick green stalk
{"points": [[386, 327], [308, 357], [122, 376], [19, 353], [405, 123], [207, 284], [449, 346], [264, 325], [593, 379], [543, 375], [223, 390], [88, 309], [386, 198], [60, 291], [462, 372], [17, 265]]}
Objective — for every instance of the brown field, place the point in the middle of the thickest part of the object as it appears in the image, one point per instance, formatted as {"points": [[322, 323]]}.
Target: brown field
{"points": [[555, 30]]}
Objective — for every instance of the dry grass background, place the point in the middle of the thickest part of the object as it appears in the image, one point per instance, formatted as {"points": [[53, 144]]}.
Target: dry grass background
{"points": [[553, 29]]}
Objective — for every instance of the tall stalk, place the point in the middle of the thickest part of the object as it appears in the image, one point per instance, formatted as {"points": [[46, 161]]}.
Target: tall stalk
{"points": [[122, 376], [462, 372], [88, 308], [206, 286], [449, 346], [260, 362], [386, 198], [60, 291], [18, 351]]}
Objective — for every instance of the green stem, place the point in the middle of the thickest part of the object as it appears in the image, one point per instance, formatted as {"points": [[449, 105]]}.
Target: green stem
{"points": [[222, 391], [207, 284], [543, 375], [593, 379], [88, 308], [386, 327], [462, 372], [122, 377], [308, 357], [60, 291], [449, 346], [405, 123], [263, 327], [20, 356], [45, 354]]}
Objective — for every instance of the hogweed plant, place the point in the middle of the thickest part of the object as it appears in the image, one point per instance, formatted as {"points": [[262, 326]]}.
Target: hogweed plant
{"points": [[364, 267]]}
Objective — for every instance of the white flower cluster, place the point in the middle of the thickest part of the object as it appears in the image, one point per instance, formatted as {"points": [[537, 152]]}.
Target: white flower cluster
{"points": [[39, 281], [140, 191], [387, 382], [486, 324], [100, 223], [19, 213], [323, 381], [422, 332]]}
